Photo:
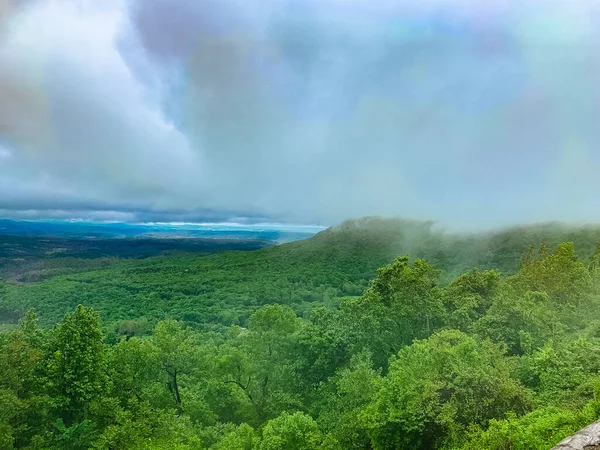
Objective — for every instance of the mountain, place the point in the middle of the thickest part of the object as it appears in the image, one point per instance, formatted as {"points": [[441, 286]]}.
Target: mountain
{"points": [[225, 287], [35, 250]]}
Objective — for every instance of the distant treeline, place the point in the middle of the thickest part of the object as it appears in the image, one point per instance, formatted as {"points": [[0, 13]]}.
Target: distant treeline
{"points": [[203, 284]]}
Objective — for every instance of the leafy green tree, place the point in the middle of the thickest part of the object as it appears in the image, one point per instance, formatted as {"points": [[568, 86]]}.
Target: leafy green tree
{"points": [[566, 373], [469, 296], [9, 410], [437, 388], [260, 361], [401, 304], [411, 291], [560, 274], [143, 427], [135, 327], [76, 365], [595, 259], [24, 409], [134, 369], [78, 436], [342, 400], [20, 353], [521, 323], [242, 438], [177, 355], [321, 347], [30, 329], [291, 432]]}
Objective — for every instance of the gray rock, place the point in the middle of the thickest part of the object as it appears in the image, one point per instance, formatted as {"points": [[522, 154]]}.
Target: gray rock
{"points": [[586, 439]]}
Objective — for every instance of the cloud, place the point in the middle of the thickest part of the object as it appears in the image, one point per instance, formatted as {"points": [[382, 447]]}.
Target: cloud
{"points": [[301, 111]]}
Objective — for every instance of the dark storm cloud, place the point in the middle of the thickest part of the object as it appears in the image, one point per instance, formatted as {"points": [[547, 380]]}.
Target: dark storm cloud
{"points": [[475, 114]]}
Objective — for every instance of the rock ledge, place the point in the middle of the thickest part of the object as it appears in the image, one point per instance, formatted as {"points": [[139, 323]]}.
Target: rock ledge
{"points": [[586, 439]]}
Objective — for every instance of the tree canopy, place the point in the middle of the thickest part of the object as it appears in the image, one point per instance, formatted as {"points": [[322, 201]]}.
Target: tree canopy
{"points": [[484, 360]]}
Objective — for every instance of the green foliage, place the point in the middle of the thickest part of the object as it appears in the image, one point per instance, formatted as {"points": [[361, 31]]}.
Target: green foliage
{"points": [[9, 406], [566, 280], [75, 367], [436, 388], [226, 288], [567, 372], [291, 432], [469, 296], [538, 430], [321, 347], [401, 304], [343, 399], [242, 438], [258, 361], [134, 369], [176, 355], [293, 348], [147, 428], [136, 327], [521, 323]]}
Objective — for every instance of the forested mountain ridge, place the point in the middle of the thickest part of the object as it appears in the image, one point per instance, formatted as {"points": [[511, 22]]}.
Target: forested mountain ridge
{"points": [[226, 287]]}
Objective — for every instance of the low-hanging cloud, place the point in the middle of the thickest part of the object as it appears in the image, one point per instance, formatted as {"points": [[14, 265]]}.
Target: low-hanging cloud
{"points": [[475, 114]]}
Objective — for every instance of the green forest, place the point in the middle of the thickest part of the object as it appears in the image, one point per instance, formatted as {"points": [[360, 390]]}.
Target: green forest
{"points": [[372, 335]]}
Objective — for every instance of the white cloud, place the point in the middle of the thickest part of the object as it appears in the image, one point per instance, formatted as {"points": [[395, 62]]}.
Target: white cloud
{"points": [[301, 110], [77, 117]]}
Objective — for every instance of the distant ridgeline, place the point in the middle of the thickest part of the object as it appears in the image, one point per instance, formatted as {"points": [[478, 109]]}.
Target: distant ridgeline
{"points": [[199, 281], [32, 251], [268, 232]]}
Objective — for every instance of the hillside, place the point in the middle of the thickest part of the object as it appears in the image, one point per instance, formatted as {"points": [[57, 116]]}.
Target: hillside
{"points": [[35, 250], [414, 362], [226, 287], [26, 259]]}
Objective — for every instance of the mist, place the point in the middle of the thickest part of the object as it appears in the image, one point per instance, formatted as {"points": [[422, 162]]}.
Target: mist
{"points": [[474, 114]]}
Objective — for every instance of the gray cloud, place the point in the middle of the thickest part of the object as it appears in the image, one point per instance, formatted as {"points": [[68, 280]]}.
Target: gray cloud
{"points": [[298, 110]]}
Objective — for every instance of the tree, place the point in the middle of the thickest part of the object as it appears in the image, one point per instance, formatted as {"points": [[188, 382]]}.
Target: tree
{"points": [[24, 410], [401, 304], [260, 361], [521, 323], [566, 280], [342, 400], [177, 355], [137, 327], [437, 388], [567, 372], [321, 347], [594, 264], [291, 432], [242, 438], [134, 369], [144, 427], [30, 329], [9, 411], [76, 364], [468, 297]]}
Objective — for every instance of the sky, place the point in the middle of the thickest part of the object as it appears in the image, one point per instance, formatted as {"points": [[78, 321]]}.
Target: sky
{"points": [[472, 113]]}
